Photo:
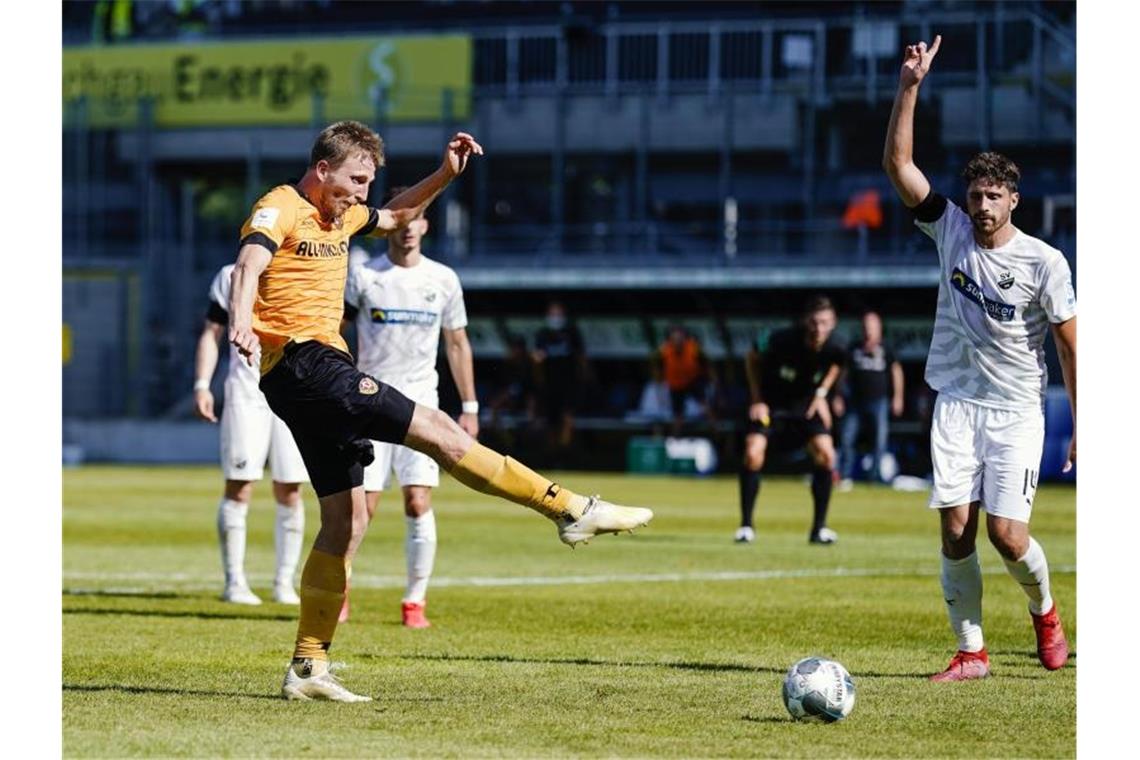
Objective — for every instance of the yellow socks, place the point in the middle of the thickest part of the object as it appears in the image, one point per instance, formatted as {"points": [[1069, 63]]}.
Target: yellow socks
{"points": [[492, 473], [323, 584]]}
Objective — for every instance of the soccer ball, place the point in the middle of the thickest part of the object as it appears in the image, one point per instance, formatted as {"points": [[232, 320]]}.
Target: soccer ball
{"points": [[819, 689]]}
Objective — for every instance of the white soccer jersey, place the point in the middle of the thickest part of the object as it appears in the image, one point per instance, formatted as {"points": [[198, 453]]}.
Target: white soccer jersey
{"points": [[400, 313], [242, 378], [994, 309]]}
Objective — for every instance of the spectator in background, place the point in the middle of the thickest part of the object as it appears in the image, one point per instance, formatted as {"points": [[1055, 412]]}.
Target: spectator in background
{"points": [[516, 381], [685, 369], [874, 386], [561, 360]]}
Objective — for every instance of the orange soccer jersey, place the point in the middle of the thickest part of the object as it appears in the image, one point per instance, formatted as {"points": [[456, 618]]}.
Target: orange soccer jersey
{"points": [[300, 295]]}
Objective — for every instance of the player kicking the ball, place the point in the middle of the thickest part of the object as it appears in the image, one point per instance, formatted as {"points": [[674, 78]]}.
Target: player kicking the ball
{"points": [[400, 303], [288, 298], [1000, 292]]}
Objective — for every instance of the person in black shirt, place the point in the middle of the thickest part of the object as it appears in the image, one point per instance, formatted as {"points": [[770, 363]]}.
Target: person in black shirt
{"points": [[561, 357], [875, 387], [789, 385]]}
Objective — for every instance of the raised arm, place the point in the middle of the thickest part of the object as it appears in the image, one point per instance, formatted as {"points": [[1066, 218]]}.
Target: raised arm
{"points": [[898, 152], [252, 260], [411, 203], [1065, 336], [462, 364]]}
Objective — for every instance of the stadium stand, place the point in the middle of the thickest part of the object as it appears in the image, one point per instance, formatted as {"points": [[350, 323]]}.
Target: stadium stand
{"points": [[646, 163]]}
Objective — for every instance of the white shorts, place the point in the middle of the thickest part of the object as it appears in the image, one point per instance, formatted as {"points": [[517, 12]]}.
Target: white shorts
{"points": [[412, 467], [252, 433], [987, 455]]}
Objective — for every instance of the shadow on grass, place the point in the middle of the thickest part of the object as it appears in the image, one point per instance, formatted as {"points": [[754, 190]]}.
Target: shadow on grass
{"points": [[165, 690], [178, 614], [705, 666], [716, 667], [130, 594], [768, 719]]}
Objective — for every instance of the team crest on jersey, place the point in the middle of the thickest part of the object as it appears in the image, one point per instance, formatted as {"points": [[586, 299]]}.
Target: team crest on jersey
{"points": [[368, 386], [1005, 281], [997, 310], [429, 295]]}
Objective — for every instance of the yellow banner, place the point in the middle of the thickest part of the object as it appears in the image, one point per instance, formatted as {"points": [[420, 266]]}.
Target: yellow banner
{"points": [[291, 81]]}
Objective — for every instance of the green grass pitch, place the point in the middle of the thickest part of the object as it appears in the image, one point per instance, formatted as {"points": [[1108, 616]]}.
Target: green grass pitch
{"points": [[671, 642]]}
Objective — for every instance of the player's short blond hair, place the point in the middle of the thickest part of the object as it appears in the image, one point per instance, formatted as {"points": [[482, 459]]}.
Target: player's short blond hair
{"points": [[337, 142]]}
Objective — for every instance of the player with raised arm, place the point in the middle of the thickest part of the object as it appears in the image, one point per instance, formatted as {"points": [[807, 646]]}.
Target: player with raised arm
{"points": [[401, 303], [288, 298], [999, 293], [250, 433]]}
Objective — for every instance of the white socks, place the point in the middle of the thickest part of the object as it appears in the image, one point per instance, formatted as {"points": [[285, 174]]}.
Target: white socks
{"points": [[962, 590], [231, 538], [288, 536], [1032, 572], [419, 548]]}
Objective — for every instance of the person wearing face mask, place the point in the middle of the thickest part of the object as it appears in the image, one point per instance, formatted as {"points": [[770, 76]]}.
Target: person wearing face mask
{"points": [[561, 359], [790, 376]]}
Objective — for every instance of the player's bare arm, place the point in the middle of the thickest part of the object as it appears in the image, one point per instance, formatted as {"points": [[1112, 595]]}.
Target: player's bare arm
{"points": [[411, 203], [461, 361], [1065, 337], [757, 410], [819, 405], [205, 362], [252, 261], [898, 152]]}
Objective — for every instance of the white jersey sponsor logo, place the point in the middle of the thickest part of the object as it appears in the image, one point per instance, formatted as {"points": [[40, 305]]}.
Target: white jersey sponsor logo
{"points": [[401, 311], [241, 377], [994, 310]]}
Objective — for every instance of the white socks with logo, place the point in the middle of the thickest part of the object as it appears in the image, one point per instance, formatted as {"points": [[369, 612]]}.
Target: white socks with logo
{"points": [[1032, 572], [419, 548], [962, 590]]}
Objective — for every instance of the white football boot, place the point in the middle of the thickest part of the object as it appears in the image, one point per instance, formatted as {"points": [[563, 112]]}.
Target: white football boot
{"points": [[601, 517], [316, 681], [824, 536], [744, 535], [239, 593]]}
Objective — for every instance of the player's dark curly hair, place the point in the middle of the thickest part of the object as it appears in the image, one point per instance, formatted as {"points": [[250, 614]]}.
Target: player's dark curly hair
{"points": [[338, 141], [994, 168]]}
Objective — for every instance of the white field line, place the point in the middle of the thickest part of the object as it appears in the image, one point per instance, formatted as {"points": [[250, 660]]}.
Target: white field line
{"points": [[196, 581]]}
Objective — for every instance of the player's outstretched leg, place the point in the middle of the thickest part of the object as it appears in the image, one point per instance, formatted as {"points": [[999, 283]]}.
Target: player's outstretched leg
{"points": [[579, 518], [1031, 571]]}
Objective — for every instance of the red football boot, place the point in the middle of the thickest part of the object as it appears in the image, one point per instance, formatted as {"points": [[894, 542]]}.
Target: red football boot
{"points": [[413, 614], [965, 666], [1052, 648]]}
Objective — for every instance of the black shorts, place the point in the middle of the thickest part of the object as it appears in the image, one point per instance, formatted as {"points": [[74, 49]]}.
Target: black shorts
{"points": [[788, 431], [334, 411]]}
